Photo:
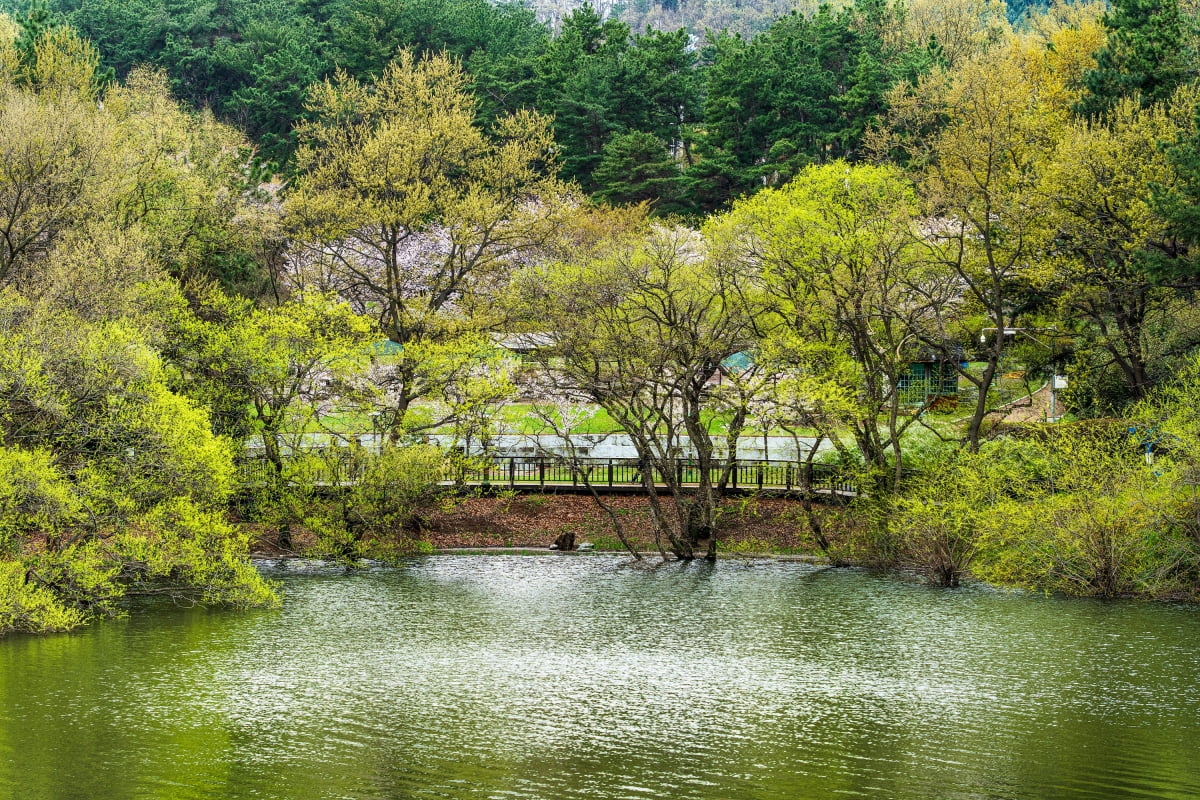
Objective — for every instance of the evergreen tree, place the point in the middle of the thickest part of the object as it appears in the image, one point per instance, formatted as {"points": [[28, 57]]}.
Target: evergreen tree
{"points": [[1179, 205], [578, 73], [637, 167], [803, 92], [36, 20], [1145, 54]]}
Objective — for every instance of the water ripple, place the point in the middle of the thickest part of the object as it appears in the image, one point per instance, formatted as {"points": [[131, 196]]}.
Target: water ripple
{"points": [[519, 677]]}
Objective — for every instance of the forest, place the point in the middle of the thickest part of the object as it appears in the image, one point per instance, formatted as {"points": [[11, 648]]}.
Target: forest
{"points": [[240, 227]]}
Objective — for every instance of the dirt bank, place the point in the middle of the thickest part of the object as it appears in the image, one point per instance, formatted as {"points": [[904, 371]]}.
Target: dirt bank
{"points": [[745, 524]]}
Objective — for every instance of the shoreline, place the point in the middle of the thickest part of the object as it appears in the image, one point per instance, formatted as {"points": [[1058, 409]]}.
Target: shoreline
{"points": [[747, 526], [545, 551]]}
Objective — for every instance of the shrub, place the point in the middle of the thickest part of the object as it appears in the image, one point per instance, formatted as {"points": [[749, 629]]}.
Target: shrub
{"points": [[35, 498], [748, 546], [384, 506], [181, 549], [30, 608], [1096, 526], [937, 526]]}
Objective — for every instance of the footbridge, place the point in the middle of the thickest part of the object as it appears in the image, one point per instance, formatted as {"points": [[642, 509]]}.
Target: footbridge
{"points": [[610, 475]]}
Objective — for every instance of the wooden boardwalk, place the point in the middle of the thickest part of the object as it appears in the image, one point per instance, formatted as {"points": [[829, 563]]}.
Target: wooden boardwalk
{"points": [[607, 475]]}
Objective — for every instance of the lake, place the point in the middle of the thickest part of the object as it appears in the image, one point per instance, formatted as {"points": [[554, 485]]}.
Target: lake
{"points": [[582, 677]]}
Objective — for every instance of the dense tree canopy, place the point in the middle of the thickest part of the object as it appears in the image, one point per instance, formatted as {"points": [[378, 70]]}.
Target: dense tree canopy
{"points": [[836, 251], [413, 212], [413, 183], [728, 111], [113, 480], [642, 327]]}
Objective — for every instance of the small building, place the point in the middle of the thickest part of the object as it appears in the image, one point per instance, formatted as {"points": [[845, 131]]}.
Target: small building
{"points": [[523, 345], [931, 380]]}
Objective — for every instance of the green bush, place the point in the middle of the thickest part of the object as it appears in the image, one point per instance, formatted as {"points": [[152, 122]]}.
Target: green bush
{"points": [[188, 551], [606, 543], [35, 498], [384, 508], [392, 550], [749, 546], [1094, 522], [936, 527], [31, 608]]}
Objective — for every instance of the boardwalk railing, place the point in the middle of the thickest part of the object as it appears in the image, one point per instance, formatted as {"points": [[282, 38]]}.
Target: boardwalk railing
{"points": [[620, 473], [338, 469]]}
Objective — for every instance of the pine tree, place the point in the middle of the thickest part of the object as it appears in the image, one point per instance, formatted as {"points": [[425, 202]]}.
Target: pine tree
{"points": [[1180, 206], [1145, 55]]}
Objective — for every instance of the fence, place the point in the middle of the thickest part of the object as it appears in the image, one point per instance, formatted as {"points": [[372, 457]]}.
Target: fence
{"points": [[340, 469]]}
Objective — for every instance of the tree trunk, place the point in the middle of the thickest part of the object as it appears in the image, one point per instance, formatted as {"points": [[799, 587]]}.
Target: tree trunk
{"points": [[981, 409]]}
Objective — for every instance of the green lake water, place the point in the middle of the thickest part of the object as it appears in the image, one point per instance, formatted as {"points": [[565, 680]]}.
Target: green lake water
{"points": [[580, 677]]}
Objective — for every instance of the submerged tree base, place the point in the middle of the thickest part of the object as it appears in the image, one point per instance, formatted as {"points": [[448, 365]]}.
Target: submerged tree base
{"points": [[850, 536]]}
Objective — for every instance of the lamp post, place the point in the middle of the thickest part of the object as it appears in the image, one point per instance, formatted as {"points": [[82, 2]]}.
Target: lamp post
{"points": [[1056, 381], [375, 432]]}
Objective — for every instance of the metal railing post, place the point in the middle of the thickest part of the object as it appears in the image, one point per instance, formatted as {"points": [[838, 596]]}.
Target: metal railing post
{"points": [[799, 475]]}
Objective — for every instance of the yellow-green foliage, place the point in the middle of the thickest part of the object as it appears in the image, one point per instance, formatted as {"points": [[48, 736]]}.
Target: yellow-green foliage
{"points": [[403, 202], [27, 607], [937, 527], [82, 575], [189, 459], [34, 498], [119, 493], [748, 546], [938, 538], [181, 545], [383, 505], [1103, 544], [175, 548], [396, 484], [393, 550], [1073, 510], [1093, 522]]}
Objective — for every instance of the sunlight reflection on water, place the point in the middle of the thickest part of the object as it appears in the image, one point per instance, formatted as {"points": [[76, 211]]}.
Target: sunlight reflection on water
{"points": [[580, 677]]}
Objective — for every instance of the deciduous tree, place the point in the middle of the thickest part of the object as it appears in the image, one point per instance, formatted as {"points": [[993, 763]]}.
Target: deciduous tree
{"points": [[854, 300], [643, 329], [977, 138], [1109, 240], [411, 212]]}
